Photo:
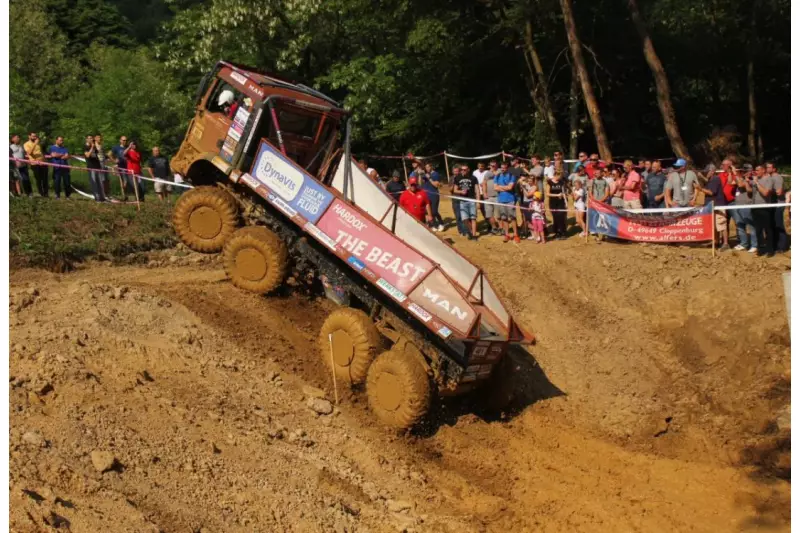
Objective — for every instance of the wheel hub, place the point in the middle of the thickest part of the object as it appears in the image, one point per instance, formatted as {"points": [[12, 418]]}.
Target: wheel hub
{"points": [[389, 391], [205, 222], [250, 264], [343, 348]]}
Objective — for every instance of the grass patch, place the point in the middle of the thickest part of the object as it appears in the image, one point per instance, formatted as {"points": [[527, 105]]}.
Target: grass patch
{"points": [[48, 233]]}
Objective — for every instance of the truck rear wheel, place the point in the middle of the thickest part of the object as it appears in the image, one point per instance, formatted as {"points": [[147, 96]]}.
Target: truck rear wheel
{"points": [[355, 342], [398, 389], [255, 259], [204, 218]]}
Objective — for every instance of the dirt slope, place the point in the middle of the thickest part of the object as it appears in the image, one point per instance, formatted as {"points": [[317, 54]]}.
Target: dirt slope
{"points": [[201, 393]]}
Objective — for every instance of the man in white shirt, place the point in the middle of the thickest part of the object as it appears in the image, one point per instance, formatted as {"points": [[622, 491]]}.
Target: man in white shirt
{"points": [[480, 174]]}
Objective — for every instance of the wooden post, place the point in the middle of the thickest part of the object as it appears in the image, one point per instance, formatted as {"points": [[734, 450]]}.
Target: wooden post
{"points": [[405, 168], [447, 168], [586, 219], [121, 184], [136, 190], [333, 370], [713, 231]]}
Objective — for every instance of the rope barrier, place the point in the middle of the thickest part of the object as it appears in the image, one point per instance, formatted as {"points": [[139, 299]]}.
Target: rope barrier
{"points": [[104, 170]]}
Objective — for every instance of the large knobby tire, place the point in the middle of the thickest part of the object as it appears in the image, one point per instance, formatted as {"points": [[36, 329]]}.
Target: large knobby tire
{"points": [[204, 218], [398, 389], [354, 341], [255, 259]]}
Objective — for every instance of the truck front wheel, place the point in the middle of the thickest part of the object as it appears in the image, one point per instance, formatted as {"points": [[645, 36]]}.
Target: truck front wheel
{"points": [[351, 340], [255, 259], [398, 389], [204, 218]]}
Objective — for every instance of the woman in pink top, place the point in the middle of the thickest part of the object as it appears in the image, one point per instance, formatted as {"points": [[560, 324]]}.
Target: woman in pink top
{"points": [[616, 189], [632, 195]]}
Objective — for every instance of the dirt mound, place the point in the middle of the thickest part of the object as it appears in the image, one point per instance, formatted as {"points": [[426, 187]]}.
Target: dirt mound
{"points": [[161, 398]]}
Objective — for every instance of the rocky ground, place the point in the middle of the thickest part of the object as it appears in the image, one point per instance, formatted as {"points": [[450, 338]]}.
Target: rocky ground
{"points": [[155, 396]]}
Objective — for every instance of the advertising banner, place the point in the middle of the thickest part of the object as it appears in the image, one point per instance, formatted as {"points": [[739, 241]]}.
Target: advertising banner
{"points": [[374, 247], [289, 183], [694, 225], [439, 297]]}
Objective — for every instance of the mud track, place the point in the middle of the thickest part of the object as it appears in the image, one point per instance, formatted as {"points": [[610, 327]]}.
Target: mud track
{"points": [[652, 402]]}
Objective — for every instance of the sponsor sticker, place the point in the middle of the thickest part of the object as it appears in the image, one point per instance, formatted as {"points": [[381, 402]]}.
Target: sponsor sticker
{"points": [[238, 78], [356, 262], [235, 132], [391, 290], [445, 332], [381, 251], [280, 204], [242, 115], [302, 192], [420, 312], [466, 378], [249, 180], [473, 368], [324, 239]]}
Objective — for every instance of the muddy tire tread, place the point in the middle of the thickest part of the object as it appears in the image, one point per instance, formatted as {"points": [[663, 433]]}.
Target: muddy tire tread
{"points": [[416, 387], [273, 249], [367, 342], [211, 196]]}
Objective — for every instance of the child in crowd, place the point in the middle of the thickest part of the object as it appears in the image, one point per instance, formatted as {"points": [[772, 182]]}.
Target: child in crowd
{"points": [[537, 217], [579, 202]]}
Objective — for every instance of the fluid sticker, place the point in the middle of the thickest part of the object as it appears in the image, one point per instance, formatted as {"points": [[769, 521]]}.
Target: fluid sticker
{"points": [[391, 290], [283, 206], [302, 192], [445, 332], [238, 77], [324, 239], [356, 262], [420, 312]]}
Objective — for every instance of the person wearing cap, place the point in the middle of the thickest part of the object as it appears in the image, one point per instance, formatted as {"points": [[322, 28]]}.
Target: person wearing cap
{"points": [[466, 187], [679, 188], [743, 217], [395, 187], [504, 184], [416, 202]]}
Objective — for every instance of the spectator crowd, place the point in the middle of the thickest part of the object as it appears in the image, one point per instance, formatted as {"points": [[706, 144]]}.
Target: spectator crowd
{"points": [[124, 161], [543, 188]]}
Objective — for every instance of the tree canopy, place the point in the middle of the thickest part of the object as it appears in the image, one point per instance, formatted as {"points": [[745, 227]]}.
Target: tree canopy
{"points": [[467, 76]]}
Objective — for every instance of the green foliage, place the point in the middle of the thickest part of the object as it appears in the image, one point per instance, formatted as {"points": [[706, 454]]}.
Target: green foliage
{"points": [[40, 73], [127, 93], [43, 232]]}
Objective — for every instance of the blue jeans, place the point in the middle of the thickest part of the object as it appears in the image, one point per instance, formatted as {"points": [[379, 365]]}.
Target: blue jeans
{"points": [[743, 218], [96, 181], [61, 180], [462, 228]]}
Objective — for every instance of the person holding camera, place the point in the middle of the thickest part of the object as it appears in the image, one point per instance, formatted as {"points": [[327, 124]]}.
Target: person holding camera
{"points": [[743, 217], [93, 152]]}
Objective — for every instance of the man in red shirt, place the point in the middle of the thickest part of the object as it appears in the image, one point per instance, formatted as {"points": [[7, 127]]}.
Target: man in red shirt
{"points": [[416, 202]]}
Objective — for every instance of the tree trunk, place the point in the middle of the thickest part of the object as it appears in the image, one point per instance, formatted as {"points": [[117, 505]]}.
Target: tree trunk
{"points": [[539, 81], [586, 85], [662, 84], [751, 106], [574, 107]]}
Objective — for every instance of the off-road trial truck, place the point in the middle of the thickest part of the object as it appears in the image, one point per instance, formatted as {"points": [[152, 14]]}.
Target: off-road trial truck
{"points": [[277, 191]]}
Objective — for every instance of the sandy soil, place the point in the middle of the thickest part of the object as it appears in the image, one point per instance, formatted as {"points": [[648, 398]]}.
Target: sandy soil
{"points": [[157, 397]]}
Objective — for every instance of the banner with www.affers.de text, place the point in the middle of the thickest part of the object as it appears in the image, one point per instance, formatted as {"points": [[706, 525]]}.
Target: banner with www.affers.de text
{"points": [[694, 225]]}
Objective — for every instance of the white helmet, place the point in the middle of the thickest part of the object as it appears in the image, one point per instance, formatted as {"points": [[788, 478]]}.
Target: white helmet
{"points": [[225, 97]]}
